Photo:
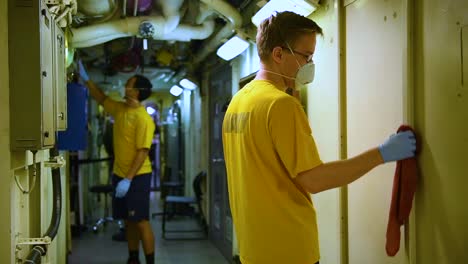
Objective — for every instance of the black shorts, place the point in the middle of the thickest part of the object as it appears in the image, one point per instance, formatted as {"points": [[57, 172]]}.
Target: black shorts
{"points": [[134, 206]]}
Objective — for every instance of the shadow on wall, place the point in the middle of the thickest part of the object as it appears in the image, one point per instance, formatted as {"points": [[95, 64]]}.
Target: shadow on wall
{"points": [[432, 200]]}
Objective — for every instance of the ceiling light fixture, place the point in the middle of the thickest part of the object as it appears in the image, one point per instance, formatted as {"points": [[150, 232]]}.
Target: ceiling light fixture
{"points": [[150, 110], [176, 90], [301, 7], [232, 48], [188, 84]]}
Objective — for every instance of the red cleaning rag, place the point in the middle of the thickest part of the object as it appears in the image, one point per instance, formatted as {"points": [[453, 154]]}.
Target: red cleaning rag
{"points": [[404, 187]]}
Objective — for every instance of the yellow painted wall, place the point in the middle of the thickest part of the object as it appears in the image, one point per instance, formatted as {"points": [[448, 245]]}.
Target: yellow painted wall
{"points": [[22, 215], [323, 113], [374, 68], [6, 251], [442, 118]]}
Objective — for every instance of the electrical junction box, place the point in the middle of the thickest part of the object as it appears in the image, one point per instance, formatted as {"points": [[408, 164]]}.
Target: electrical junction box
{"points": [[34, 75]]}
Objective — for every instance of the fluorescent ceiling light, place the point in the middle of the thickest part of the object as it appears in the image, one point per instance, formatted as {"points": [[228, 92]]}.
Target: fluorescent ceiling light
{"points": [[176, 90], [301, 7], [232, 48], [187, 84], [150, 110]]}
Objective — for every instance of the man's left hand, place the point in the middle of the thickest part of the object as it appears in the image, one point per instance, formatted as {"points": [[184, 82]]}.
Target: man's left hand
{"points": [[122, 188]]}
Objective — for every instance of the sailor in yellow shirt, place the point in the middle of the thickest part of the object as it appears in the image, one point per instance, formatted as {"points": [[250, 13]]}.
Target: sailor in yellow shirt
{"points": [[267, 142], [271, 158], [133, 130], [132, 137]]}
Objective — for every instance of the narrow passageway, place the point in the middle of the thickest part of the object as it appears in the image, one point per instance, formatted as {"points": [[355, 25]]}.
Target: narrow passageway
{"points": [[99, 248]]}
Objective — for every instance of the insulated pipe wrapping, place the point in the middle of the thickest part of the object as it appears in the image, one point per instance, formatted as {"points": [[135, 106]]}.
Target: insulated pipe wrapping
{"points": [[95, 7], [104, 32], [171, 11], [187, 33], [227, 10], [165, 28], [203, 13], [100, 33]]}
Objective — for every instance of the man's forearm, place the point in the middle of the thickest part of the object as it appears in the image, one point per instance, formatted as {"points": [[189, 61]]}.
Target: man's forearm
{"points": [[95, 92], [339, 173], [138, 161]]}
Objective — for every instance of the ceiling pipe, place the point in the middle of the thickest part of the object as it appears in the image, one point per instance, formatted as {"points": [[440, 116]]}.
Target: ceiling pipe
{"points": [[135, 8], [127, 27], [234, 19], [167, 28], [139, 6], [95, 7], [203, 13], [226, 10], [186, 33], [171, 11]]}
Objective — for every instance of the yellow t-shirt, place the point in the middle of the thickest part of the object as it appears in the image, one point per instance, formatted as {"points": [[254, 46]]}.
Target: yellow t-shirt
{"points": [[133, 130], [268, 142]]}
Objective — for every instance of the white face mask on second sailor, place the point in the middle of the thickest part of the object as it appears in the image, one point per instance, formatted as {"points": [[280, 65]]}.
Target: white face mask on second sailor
{"points": [[306, 72]]}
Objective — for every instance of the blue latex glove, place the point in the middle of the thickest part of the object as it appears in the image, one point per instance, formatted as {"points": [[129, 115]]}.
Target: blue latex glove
{"points": [[399, 146], [122, 188], [83, 73]]}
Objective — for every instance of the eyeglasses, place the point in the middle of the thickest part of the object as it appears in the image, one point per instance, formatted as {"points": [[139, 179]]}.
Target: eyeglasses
{"points": [[308, 58]]}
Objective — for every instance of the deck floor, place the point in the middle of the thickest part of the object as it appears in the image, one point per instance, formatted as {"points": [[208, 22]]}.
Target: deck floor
{"points": [[99, 248]]}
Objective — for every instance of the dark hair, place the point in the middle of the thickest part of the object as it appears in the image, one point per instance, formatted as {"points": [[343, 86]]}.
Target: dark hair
{"points": [[144, 87], [282, 28]]}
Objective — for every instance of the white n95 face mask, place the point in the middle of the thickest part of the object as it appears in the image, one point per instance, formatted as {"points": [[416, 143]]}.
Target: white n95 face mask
{"points": [[305, 74]]}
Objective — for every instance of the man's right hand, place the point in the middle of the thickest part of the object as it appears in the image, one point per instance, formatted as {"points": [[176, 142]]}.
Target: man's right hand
{"points": [[95, 92], [399, 146], [83, 73]]}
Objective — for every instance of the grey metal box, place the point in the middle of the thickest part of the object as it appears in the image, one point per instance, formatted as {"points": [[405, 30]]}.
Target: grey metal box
{"points": [[31, 75]]}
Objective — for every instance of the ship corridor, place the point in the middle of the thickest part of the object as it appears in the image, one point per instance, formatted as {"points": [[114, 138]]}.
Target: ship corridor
{"points": [[378, 65]]}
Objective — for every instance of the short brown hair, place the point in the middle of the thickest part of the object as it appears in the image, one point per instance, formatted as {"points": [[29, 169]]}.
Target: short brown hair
{"points": [[144, 87], [282, 28]]}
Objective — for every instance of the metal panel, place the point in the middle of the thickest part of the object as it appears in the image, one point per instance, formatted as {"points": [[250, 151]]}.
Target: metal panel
{"points": [[60, 81], [441, 111], [31, 86], [374, 44], [174, 145], [221, 222], [47, 64], [322, 108]]}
